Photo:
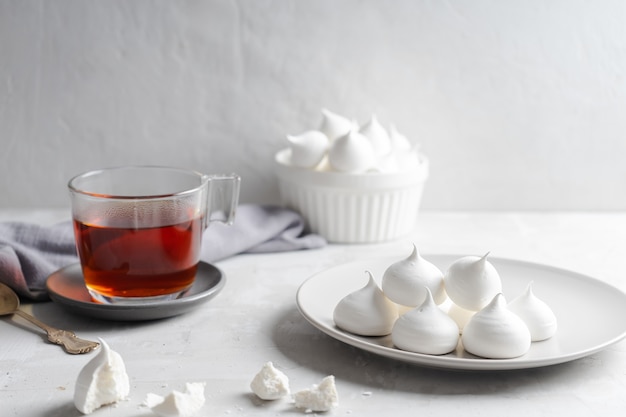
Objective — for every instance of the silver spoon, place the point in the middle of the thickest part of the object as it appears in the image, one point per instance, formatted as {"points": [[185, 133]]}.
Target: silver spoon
{"points": [[10, 304]]}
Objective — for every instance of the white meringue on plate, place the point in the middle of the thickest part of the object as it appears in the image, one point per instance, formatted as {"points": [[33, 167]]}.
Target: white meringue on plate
{"points": [[472, 281], [366, 312], [495, 332], [405, 281], [426, 329], [537, 315]]}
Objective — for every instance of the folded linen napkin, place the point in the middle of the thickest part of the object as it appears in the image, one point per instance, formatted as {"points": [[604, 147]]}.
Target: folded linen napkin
{"points": [[29, 253]]}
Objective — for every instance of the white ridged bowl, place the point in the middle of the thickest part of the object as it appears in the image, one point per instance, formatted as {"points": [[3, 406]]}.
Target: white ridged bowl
{"points": [[353, 208]]}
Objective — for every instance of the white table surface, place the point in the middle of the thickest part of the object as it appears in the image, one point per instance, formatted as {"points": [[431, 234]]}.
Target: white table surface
{"points": [[254, 319]]}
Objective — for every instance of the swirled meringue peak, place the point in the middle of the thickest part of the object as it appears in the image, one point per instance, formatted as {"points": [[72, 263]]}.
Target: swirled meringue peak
{"points": [[405, 282], [351, 152], [426, 329], [308, 148], [378, 136], [472, 281], [399, 142], [495, 332], [334, 125], [402, 157], [366, 312], [537, 315], [388, 164]]}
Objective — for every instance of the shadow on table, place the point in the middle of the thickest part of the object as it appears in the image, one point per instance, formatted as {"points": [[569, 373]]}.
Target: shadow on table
{"points": [[304, 344], [57, 316], [69, 410]]}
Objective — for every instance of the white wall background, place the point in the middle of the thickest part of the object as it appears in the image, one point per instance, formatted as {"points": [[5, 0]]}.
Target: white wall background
{"points": [[518, 104]]}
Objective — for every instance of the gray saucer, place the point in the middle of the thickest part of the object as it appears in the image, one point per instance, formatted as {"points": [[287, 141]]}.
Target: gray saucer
{"points": [[66, 287]]}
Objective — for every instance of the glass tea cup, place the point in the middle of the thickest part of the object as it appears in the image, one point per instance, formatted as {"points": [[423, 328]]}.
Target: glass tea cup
{"points": [[138, 229]]}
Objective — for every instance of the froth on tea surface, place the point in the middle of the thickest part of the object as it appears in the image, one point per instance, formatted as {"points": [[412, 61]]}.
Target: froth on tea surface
{"points": [[139, 262]]}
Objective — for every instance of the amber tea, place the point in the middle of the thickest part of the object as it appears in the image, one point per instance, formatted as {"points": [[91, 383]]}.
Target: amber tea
{"points": [[144, 262], [139, 229]]}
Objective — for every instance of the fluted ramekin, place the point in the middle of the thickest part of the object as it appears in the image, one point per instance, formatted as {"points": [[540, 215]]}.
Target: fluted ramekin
{"points": [[353, 208]]}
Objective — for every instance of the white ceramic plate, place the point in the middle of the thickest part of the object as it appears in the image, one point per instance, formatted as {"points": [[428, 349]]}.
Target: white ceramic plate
{"points": [[67, 287], [590, 313]]}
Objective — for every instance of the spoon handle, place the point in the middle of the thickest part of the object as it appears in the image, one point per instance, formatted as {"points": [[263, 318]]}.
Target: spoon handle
{"points": [[65, 338]]}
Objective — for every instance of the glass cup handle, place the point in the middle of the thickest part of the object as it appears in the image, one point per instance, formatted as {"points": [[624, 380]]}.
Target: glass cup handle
{"points": [[222, 198]]}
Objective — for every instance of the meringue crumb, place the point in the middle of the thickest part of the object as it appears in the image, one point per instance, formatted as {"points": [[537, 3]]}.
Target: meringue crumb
{"points": [[178, 404], [102, 381], [322, 397], [270, 383]]}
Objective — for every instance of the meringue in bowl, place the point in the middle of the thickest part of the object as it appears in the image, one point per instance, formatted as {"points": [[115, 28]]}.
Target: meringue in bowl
{"points": [[354, 194]]}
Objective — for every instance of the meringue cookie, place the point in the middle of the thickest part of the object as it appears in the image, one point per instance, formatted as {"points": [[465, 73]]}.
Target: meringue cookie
{"points": [[408, 160], [399, 142], [176, 403], [405, 281], [270, 383], [471, 282], [102, 381], [366, 312], [351, 152], [426, 329], [351, 149], [537, 315], [388, 163], [378, 137], [308, 148], [496, 333], [322, 397], [334, 125]]}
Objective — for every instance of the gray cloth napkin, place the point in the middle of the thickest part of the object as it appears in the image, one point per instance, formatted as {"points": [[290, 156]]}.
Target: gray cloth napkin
{"points": [[29, 253]]}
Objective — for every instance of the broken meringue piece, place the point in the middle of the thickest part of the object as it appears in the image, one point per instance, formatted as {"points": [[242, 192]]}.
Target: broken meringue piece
{"points": [[322, 397], [270, 383], [102, 381], [178, 404]]}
